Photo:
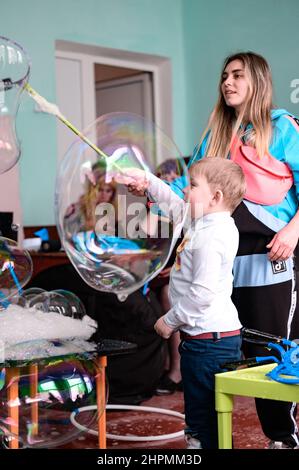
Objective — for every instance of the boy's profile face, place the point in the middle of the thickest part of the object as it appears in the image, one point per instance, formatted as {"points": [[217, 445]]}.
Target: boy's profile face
{"points": [[200, 196]]}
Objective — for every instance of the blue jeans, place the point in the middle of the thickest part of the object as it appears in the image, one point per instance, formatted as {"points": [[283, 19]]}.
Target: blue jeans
{"points": [[200, 361]]}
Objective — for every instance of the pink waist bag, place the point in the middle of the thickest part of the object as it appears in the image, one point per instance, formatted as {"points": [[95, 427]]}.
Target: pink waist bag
{"points": [[267, 179]]}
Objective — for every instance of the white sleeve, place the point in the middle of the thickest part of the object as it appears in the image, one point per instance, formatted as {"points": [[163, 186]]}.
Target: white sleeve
{"points": [[169, 202], [206, 266]]}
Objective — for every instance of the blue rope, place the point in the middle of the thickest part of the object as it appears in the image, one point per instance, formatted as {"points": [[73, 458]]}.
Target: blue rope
{"points": [[3, 300], [15, 278], [288, 364], [145, 289]]}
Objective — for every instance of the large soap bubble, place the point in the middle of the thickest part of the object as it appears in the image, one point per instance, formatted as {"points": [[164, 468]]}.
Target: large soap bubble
{"points": [[14, 74], [15, 270], [37, 399], [114, 239]]}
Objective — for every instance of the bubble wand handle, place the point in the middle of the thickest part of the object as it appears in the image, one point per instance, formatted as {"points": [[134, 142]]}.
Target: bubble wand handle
{"points": [[82, 137], [53, 109]]}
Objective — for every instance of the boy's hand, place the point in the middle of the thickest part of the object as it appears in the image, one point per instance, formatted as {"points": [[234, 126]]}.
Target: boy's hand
{"points": [[136, 192], [134, 178], [162, 328]]}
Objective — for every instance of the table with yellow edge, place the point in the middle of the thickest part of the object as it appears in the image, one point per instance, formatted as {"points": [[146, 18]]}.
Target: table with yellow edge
{"points": [[250, 382]]}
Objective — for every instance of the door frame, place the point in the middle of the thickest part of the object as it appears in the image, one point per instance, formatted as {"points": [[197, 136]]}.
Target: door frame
{"points": [[159, 66]]}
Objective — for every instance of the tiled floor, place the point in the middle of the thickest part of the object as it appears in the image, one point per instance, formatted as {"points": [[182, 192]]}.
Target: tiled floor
{"points": [[246, 430]]}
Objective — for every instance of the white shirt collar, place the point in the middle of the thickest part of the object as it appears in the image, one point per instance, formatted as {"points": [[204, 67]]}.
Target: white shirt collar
{"points": [[215, 216]]}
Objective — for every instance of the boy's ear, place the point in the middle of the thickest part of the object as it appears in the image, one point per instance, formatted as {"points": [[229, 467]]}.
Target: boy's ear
{"points": [[218, 197]]}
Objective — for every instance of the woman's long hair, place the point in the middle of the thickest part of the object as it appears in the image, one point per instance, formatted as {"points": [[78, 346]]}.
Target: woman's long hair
{"points": [[223, 123], [89, 201]]}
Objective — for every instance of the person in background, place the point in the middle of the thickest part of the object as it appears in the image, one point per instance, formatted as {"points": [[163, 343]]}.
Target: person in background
{"points": [[168, 170], [82, 215], [100, 192]]}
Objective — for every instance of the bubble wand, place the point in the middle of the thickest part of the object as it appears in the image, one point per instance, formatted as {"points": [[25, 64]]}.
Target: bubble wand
{"points": [[51, 108]]}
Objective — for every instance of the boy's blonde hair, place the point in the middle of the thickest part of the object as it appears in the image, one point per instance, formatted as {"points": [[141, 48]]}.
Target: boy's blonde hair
{"points": [[222, 174]]}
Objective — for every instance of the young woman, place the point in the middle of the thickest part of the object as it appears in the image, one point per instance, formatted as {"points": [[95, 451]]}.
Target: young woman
{"points": [[101, 192], [265, 142]]}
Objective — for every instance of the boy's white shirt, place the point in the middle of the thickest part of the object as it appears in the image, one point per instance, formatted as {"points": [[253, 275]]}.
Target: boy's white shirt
{"points": [[200, 291]]}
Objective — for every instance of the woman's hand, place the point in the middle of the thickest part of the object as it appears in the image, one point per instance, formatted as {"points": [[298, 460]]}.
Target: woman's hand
{"points": [[162, 328], [283, 243]]}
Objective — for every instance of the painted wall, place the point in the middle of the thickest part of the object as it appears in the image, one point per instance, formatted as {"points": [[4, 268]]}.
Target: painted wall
{"points": [[195, 34], [148, 26], [214, 29]]}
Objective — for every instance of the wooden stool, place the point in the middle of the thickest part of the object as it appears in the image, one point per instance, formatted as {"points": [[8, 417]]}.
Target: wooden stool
{"points": [[14, 370], [12, 383]]}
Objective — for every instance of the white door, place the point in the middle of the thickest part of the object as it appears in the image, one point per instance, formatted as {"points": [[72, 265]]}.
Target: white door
{"points": [[129, 94], [133, 95]]}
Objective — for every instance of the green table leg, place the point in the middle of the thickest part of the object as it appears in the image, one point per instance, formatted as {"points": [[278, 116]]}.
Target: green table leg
{"points": [[224, 407]]}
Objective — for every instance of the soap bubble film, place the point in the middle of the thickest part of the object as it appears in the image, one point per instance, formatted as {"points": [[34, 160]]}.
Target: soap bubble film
{"points": [[24, 297], [36, 401], [114, 239], [51, 302], [77, 308], [14, 74]]}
